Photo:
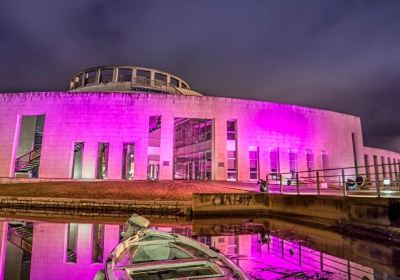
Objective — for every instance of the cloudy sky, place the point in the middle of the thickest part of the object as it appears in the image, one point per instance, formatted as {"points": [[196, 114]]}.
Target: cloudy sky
{"points": [[337, 55]]}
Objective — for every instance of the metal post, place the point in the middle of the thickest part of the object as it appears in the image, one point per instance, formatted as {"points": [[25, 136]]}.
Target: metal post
{"points": [[280, 183], [378, 188], [318, 184], [297, 183], [344, 183]]}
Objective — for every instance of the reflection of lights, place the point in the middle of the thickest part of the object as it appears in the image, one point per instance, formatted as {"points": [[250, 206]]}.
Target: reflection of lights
{"points": [[386, 182], [264, 238]]}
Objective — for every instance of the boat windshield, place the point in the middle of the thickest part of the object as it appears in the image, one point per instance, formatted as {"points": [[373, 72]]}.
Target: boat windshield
{"points": [[150, 252]]}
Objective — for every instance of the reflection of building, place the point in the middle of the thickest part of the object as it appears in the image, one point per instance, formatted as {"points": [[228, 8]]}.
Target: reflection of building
{"points": [[137, 123], [78, 251]]}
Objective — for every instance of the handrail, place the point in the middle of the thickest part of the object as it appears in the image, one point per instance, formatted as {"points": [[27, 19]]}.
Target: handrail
{"points": [[157, 84], [27, 158]]}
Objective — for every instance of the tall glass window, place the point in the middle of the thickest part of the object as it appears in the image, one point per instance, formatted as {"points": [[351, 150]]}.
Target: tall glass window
{"points": [[253, 164], [102, 160], [366, 163], [77, 160], [325, 162], [153, 154], [310, 161], [383, 167], [231, 150], [71, 242], [128, 161], [98, 243], [274, 162], [293, 162], [192, 149], [389, 161]]}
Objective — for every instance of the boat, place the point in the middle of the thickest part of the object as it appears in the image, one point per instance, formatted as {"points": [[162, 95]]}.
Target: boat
{"points": [[146, 253]]}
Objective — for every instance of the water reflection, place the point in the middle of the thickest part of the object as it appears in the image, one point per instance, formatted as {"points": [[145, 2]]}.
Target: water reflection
{"points": [[265, 249]]}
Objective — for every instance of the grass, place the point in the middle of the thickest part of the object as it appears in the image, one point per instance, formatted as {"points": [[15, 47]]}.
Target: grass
{"points": [[118, 190]]}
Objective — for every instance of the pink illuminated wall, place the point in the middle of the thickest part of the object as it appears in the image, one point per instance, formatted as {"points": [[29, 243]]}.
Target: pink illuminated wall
{"points": [[118, 118]]}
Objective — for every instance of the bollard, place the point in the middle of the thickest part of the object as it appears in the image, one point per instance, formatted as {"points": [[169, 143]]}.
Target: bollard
{"points": [[280, 183], [297, 183], [318, 184]]}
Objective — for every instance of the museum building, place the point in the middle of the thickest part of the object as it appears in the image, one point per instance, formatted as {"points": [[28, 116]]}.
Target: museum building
{"points": [[135, 123]]}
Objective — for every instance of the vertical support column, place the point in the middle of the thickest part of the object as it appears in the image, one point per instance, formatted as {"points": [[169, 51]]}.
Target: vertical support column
{"points": [[15, 145], [115, 161], [84, 244], [263, 161], [244, 133], [89, 162], [3, 247], [167, 147], [141, 146], [219, 164]]}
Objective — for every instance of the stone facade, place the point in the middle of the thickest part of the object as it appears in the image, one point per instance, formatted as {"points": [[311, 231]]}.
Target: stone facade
{"points": [[118, 118]]}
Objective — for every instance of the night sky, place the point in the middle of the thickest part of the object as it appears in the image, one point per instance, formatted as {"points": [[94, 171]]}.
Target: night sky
{"points": [[337, 55]]}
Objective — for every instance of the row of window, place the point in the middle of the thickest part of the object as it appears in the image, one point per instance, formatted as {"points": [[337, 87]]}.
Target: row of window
{"points": [[385, 166], [106, 75]]}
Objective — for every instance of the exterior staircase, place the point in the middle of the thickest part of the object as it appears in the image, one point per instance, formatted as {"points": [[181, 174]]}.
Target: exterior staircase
{"points": [[21, 235], [78, 146], [29, 161]]}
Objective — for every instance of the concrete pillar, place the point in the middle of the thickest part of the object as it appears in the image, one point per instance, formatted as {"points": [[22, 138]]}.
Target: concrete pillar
{"points": [[115, 161], [243, 134], [167, 147], [219, 164], [3, 247], [141, 146], [263, 163], [89, 162], [84, 244]]}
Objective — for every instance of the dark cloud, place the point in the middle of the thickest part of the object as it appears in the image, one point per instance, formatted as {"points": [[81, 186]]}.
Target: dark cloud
{"points": [[337, 55]]}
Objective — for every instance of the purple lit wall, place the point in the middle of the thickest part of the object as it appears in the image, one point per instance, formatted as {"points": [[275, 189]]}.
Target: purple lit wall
{"points": [[118, 118]]}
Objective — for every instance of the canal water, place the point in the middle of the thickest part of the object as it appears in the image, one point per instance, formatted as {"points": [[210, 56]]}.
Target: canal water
{"points": [[76, 248]]}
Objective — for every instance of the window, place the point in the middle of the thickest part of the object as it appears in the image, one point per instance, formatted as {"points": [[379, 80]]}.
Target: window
{"points": [[310, 161], [325, 162], [102, 161], [184, 86], [192, 149], [274, 162], [90, 77], [366, 163], [153, 151], [143, 73], [293, 162], [383, 167], [106, 75], [231, 150], [71, 242], [174, 82], [128, 161], [98, 243], [77, 160], [253, 157], [124, 75], [160, 77], [389, 162]]}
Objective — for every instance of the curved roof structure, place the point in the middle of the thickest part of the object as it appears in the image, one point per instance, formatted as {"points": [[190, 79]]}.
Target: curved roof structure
{"points": [[129, 79]]}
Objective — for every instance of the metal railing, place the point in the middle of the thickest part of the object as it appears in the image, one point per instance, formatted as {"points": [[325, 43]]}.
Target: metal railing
{"points": [[25, 160], [154, 84], [313, 260], [372, 180]]}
